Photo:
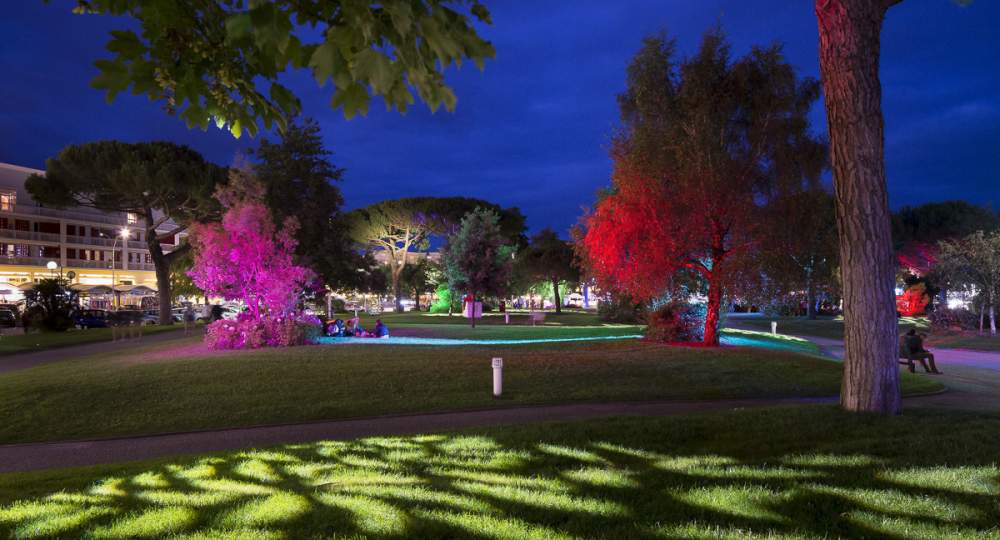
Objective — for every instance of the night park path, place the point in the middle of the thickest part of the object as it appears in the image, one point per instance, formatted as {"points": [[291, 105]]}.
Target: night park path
{"points": [[25, 360], [37, 456]]}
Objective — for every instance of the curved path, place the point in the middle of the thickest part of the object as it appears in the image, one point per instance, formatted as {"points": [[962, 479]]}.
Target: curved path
{"points": [[37, 456], [25, 360]]}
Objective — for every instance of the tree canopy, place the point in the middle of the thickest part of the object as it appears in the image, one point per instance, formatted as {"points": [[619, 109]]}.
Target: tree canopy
{"points": [[161, 182], [475, 259], [932, 222], [220, 61], [551, 259], [706, 140], [301, 182]]}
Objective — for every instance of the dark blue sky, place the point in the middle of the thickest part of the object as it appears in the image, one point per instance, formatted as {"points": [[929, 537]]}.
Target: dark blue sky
{"points": [[532, 129]]}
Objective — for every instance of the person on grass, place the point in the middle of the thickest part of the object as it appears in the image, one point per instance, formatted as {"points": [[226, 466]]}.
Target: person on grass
{"points": [[912, 347], [381, 330]]}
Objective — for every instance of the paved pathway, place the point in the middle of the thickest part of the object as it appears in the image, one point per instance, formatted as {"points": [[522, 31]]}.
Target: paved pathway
{"points": [[14, 362], [36, 456]]}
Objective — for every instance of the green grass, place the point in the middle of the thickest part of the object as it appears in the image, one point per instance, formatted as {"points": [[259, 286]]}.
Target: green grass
{"points": [[969, 340], [517, 317], [162, 389], [804, 472], [39, 341], [824, 327], [457, 331]]}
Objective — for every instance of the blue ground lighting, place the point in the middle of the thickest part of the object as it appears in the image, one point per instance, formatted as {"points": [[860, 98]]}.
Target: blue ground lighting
{"points": [[444, 341]]}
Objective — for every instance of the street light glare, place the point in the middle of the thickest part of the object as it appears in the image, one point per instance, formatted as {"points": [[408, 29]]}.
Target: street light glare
{"points": [[125, 232], [52, 265]]}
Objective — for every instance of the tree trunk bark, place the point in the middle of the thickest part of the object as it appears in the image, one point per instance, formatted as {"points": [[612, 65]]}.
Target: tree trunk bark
{"points": [[555, 295], [982, 318], [849, 33], [993, 320], [161, 265], [810, 298], [712, 316], [416, 300]]}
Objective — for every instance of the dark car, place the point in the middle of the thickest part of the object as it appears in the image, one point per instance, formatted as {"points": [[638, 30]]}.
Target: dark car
{"points": [[7, 318], [92, 318]]}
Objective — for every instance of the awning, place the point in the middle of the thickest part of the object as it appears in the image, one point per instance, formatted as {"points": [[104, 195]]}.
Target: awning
{"points": [[91, 289], [136, 290]]}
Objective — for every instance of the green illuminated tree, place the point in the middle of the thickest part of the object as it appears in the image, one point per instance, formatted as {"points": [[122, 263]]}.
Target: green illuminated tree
{"points": [[220, 61]]}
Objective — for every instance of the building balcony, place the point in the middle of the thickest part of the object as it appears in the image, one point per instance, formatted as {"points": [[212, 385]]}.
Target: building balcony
{"points": [[26, 261], [91, 240], [91, 217], [13, 234]]}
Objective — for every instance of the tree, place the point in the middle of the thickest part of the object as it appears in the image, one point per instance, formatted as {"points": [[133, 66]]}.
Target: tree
{"points": [[417, 278], [946, 220], [400, 227], [974, 263], [474, 259], [52, 304], [219, 61], [300, 181], [549, 258], [705, 141], [181, 283], [246, 257], [800, 246], [162, 183]]}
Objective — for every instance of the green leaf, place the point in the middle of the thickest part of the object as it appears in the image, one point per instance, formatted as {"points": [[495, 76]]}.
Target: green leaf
{"points": [[376, 69], [126, 44], [353, 99], [322, 62], [236, 129], [238, 26], [113, 77]]}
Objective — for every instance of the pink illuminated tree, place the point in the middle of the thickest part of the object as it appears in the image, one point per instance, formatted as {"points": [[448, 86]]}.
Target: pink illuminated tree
{"points": [[246, 256]]}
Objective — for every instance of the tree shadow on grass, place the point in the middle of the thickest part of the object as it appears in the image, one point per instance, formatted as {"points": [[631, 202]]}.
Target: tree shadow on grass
{"points": [[784, 472]]}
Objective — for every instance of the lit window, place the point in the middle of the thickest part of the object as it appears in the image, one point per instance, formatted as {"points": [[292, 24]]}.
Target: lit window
{"points": [[8, 199], [131, 218]]}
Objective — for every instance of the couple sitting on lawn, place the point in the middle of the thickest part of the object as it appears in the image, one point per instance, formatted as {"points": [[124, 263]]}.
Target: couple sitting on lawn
{"points": [[353, 329], [911, 347]]}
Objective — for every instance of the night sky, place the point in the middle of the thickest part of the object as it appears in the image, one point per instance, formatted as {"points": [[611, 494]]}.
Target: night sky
{"points": [[532, 129]]}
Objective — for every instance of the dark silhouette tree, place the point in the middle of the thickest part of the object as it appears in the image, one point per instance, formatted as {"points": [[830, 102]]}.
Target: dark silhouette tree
{"points": [[162, 183], [549, 258]]}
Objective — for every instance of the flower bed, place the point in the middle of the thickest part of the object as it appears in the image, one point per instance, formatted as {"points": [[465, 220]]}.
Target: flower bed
{"points": [[247, 332]]}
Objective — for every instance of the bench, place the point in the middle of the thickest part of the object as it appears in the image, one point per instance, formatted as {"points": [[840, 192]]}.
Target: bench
{"points": [[536, 317], [909, 360]]}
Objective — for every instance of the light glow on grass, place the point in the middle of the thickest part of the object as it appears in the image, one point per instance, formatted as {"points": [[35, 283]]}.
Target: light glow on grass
{"points": [[403, 340], [742, 474]]}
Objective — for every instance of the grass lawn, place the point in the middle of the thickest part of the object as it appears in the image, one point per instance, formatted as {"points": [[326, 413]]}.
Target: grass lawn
{"points": [[824, 327], [176, 391], [969, 340], [804, 472], [517, 317], [38, 341]]}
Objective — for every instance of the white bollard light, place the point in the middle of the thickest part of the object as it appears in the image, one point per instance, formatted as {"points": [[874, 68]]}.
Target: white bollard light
{"points": [[774, 328], [506, 318], [497, 377]]}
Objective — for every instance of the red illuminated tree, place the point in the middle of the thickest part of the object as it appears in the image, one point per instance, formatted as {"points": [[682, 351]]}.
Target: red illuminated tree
{"points": [[706, 141]]}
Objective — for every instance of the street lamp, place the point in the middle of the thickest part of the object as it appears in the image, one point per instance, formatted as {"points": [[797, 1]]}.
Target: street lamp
{"points": [[52, 265], [123, 235]]}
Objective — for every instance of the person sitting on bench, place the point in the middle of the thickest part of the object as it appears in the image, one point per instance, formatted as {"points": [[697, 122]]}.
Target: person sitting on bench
{"points": [[911, 347]]}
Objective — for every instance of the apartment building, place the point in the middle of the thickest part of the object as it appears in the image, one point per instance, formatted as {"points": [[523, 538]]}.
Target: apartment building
{"points": [[95, 250]]}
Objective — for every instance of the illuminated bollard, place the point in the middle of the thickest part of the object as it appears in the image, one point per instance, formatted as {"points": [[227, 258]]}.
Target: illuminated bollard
{"points": [[774, 328], [497, 377], [506, 318]]}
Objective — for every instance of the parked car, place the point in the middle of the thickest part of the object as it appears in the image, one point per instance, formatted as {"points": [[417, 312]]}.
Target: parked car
{"points": [[152, 316], [8, 318], [92, 318]]}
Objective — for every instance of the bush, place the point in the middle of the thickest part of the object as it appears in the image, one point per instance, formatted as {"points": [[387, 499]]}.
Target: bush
{"points": [[620, 309], [338, 306], [51, 305], [951, 319], [248, 333], [675, 322]]}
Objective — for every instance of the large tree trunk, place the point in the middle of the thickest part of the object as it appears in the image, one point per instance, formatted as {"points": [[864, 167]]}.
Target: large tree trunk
{"points": [[712, 316], [416, 300], [849, 32], [555, 295], [161, 264]]}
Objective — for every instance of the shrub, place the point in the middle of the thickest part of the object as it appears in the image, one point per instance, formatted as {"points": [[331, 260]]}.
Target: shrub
{"points": [[675, 322], [247, 332], [949, 319], [338, 305], [620, 309], [51, 304]]}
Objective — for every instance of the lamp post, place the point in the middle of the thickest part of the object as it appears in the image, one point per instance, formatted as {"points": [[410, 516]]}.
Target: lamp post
{"points": [[123, 235], [52, 265]]}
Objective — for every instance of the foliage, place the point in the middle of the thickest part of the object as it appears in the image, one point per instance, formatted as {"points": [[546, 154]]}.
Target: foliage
{"points": [[164, 184], [51, 304], [246, 257], [300, 182], [220, 61], [248, 332], [945, 220], [416, 278], [738, 132], [399, 227], [676, 322], [973, 263], [799, 250], [446, 301], [181, 283], [913, 302], [621, 308], [549, 258], [474, 259], [944, 318]]}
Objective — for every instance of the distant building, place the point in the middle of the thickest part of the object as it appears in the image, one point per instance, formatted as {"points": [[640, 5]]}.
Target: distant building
{"points": [[84, 243]]}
